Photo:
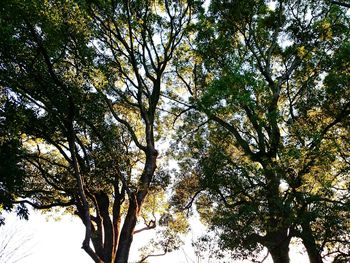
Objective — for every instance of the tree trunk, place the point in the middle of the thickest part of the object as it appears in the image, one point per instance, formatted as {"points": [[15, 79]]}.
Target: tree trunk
{"points": [[309, 242], [135, 203], [108, 233], [313, 254], [126, 235], [279, 253], [278, 245]]}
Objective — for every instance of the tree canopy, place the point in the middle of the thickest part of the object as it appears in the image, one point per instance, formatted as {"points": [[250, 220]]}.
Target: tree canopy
{"points": [[83, 81], [258, 95], [264, 135]]}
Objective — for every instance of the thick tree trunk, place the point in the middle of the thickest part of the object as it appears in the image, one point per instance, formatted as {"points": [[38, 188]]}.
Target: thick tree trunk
{"points": [[108, 234], [278, 238], [309, 242], [126, 235], [125, 241], [280, 253], [313, 254], [278, 245]]}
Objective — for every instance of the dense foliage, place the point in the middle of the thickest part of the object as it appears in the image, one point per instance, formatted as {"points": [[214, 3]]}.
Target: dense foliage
{"points": [[258, 95], [265, 136], [81, 82]]}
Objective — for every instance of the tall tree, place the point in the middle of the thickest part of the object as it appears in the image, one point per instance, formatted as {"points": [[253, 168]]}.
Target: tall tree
{"points": [[268, 153], [87, 76]]}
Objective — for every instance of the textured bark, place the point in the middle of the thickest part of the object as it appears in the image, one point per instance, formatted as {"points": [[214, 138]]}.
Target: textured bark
{"points": [[126, 235], [109, 238]]}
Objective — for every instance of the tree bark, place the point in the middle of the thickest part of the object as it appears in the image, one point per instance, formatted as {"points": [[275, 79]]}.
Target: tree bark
{"points": [[126, 235], [109, 237], [309, 242], [278, 245], [280, 253]]}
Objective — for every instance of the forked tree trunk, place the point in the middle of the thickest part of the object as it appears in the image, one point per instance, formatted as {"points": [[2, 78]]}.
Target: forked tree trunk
{"points": [[127, 232]]}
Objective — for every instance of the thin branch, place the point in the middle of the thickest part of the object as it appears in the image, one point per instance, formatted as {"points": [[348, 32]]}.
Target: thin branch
{"points": [[124, 122], [153, 255], [151, 225], [190, 203], [232, 129], [48, 206]]}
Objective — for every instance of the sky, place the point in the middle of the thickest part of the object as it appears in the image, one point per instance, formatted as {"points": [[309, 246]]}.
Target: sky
{"points": [[58, 240]]}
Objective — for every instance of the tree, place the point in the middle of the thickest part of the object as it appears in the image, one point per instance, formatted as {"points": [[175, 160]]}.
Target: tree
{"points": [[86, 78], [265, 131], [15, 244]]}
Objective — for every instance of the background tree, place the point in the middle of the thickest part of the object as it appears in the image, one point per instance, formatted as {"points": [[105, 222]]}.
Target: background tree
{"points": [[15, 244], [267, 152], [85, 79]]}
